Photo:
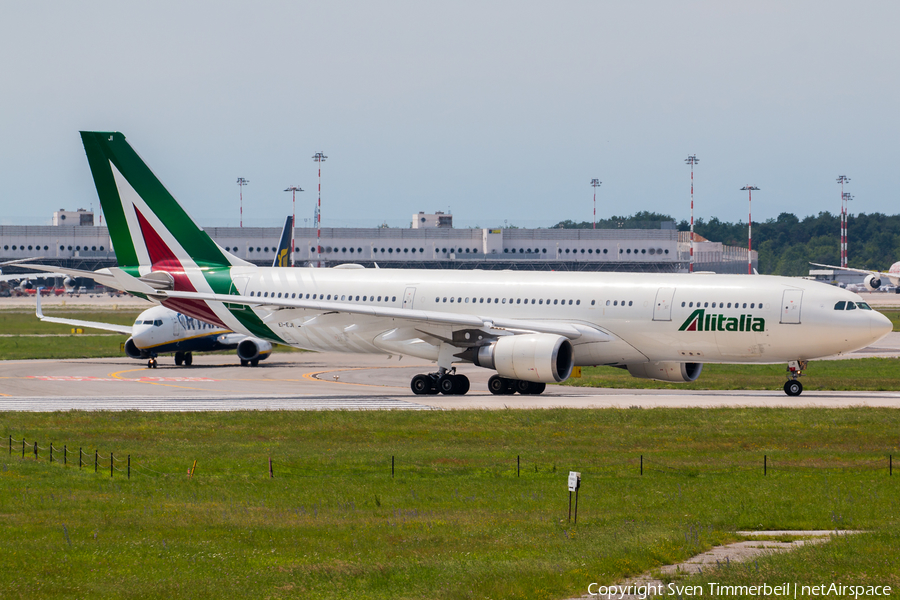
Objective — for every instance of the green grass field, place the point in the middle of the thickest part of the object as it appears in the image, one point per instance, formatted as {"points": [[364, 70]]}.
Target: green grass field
{"points": [[455, 521]]}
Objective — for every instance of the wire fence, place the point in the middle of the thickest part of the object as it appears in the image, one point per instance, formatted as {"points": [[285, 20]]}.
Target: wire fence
{"points": [[634, 465]]}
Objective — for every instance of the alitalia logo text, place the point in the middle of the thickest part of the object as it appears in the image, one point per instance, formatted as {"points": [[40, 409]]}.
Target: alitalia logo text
{"points": [[700, 320]]}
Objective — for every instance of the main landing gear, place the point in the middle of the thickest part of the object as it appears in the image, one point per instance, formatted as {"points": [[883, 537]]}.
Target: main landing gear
{"points": [[440, 383], [795, 368], [505, 387], [185, 358]]}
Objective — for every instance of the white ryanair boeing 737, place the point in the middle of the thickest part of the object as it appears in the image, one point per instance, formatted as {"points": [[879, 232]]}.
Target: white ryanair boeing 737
{"points": [[529, 327]]}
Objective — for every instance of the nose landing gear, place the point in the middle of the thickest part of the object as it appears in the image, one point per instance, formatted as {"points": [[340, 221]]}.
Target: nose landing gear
{"points": [[795, 368]]}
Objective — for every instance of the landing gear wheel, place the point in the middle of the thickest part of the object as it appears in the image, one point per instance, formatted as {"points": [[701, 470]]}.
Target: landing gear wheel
{"points": [[179, 358], [533, 388], [446, 384], [151, 364], [244, 363], [254, 362], [523, 387], [188, 359], [793, 388], [421, 384], [496, 385], [462, 384]]}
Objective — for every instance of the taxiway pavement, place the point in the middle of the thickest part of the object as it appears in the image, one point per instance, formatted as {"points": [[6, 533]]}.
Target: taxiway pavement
{"points": [[333, 381]]}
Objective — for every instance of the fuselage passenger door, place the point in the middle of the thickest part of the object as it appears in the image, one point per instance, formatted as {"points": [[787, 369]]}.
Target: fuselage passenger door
{"points": [[662, 310], [408, 297], [790, 306]]}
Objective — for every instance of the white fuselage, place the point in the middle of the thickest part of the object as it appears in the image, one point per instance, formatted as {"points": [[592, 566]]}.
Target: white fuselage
{"points": [[160, 329], [638, 317]]}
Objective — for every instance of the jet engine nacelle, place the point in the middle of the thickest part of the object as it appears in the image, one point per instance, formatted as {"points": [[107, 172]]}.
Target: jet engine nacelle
{"points": [[872, 282], [69, 283], [538, 357], [254, 349], [666, 371], [132, 351]]}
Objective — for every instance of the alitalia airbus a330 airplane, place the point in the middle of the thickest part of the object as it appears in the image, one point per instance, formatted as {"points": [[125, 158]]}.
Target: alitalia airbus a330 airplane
{"points": [[529, 327]]}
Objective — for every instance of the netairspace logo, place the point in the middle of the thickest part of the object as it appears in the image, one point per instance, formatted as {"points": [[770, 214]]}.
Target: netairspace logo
{"points": [[718, 590], [701, 321]]}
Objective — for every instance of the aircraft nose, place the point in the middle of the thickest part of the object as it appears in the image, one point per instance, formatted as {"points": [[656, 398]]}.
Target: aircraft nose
{"points": [[880, 325]]}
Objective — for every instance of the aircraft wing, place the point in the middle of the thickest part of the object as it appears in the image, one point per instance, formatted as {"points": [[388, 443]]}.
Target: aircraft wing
{"points": [[103, 276], [571, 331], [17, 276], [863, 271], [126, 329]]}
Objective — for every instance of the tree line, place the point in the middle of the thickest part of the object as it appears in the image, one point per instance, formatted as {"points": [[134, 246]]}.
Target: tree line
{"points": [[787, 244]]}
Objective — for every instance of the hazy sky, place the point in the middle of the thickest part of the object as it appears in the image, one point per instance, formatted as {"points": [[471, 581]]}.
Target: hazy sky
{"points": [[494, 110]]}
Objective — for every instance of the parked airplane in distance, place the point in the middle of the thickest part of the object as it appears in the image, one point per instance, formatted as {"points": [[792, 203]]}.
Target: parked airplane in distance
{"points": [[531, 327], [874, 279], [160, 330]]}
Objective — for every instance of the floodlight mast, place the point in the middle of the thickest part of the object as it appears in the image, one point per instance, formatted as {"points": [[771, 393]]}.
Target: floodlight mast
{"points": [[749, 189], [692, 160], [842, 179], [242, 182], [293, 190], [319, 157], [595, 183]]}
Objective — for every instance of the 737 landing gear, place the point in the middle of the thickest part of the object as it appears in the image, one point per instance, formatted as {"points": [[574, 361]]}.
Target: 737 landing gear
{"points": [[793, 387], [505, 387], [151, 364], [185, 358], [436, 383]]}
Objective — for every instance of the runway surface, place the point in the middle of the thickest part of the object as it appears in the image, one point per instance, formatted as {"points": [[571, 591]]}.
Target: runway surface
{"points": [[332, 381]]}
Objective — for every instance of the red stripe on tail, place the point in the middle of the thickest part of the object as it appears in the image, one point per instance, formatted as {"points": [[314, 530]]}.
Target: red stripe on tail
{"points": [[163, 259]]}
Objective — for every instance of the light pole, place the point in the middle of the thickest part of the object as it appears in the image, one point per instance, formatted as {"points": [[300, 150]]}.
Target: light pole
{"points": [[749, 189], [242, 182], [319, 157], [842, 179], [845, 206], [595, 183], [293, 190], [692, 160]]}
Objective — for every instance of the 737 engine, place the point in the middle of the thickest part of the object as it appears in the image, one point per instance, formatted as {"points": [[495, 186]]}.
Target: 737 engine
{"points": [[253, 349], [538, 357], [666, 371]]}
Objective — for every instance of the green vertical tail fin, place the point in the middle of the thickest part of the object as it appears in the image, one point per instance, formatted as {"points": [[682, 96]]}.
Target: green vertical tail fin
{"points": [[146, 224]]}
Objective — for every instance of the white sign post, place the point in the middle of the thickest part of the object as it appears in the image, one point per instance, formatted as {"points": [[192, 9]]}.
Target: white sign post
{"points": [[574, 484]]}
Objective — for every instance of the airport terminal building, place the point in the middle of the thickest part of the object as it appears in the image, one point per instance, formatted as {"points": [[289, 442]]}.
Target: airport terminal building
{"points": [[436, 246]]}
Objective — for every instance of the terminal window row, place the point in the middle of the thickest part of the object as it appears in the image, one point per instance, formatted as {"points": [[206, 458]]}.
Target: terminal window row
{"points": [[38, 247]]}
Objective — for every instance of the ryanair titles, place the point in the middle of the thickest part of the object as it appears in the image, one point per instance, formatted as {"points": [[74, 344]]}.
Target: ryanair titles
{"points": [[700, 320]]}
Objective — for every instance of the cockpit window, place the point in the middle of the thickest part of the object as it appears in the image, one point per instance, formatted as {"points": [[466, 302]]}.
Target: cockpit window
{"points": [[840, 305], [157, 323], [851, 306], [863, 306]]}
